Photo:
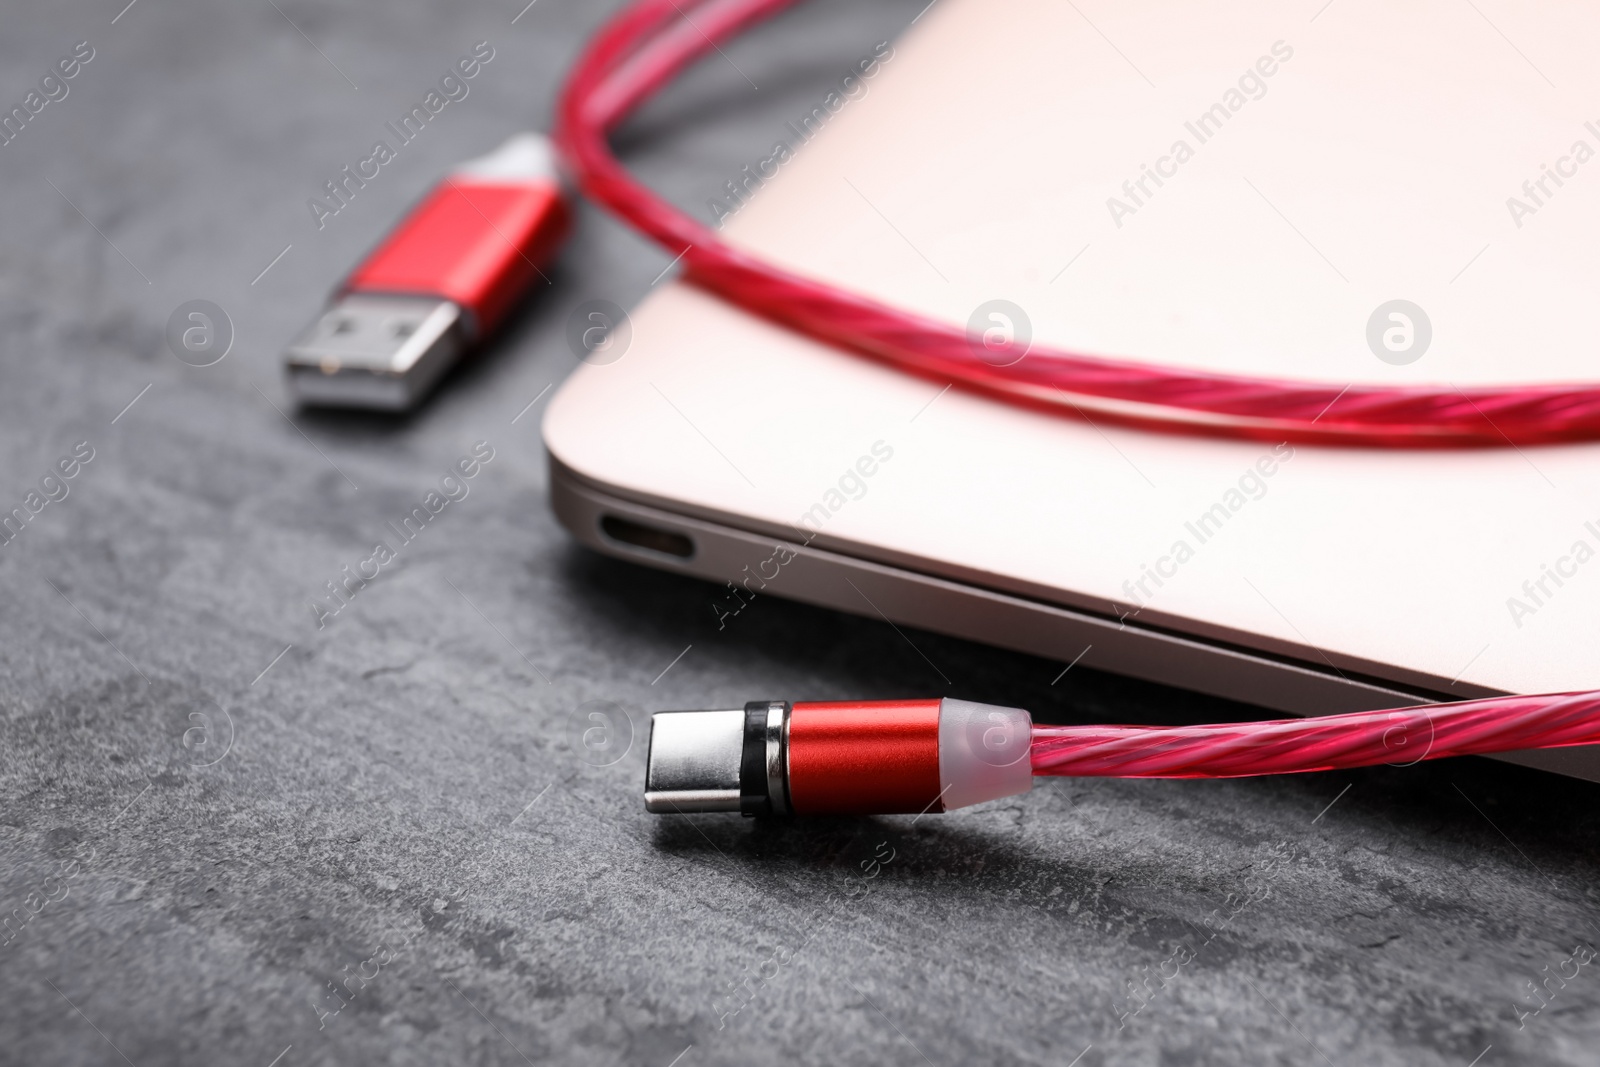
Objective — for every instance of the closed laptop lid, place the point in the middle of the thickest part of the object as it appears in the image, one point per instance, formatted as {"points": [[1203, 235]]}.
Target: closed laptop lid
{"points": [[1248, 190]]}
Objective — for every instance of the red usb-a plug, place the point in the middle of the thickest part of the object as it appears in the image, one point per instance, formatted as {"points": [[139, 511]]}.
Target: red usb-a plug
{"points": [[441, 280]]}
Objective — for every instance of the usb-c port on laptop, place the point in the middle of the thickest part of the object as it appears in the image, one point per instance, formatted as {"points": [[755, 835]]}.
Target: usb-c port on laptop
{"points": [[649, 538]]}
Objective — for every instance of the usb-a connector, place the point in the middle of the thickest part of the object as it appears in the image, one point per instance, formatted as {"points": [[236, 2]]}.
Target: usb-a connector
{"points": [[375, 351], [439, 282], [370, 351]]}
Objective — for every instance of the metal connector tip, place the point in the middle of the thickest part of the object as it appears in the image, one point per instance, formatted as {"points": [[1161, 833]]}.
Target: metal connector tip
{"points": [[378, 352], [719, 761], [694, 761]]}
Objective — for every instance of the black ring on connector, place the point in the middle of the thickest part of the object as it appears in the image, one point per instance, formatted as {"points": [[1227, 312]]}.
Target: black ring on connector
{"points": [[753, 797]]}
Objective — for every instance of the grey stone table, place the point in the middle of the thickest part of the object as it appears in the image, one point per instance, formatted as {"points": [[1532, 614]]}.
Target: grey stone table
{"points": [[231, 837]]}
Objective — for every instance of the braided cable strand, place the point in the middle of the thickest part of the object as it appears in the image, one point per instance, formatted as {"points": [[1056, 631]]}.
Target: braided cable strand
{"points": [[1332, 742], [651, 41]]}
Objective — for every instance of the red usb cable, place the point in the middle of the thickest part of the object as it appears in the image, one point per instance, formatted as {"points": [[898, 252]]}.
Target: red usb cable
{"points": [[1326, 743], [904, 755], [651, 41], [914, 756], [449, 273]]}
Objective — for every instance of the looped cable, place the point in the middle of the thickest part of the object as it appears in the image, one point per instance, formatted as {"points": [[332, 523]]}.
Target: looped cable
{"points": [[651, 41]]}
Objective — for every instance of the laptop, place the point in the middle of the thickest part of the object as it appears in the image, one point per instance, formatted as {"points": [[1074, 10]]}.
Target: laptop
{"points": [[1342, 192]]}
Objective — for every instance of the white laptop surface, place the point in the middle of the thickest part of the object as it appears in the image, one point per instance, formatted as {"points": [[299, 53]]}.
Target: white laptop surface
{"points": [[1374, 163]]}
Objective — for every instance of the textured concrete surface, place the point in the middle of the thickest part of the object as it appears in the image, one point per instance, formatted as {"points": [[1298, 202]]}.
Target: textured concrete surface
{"points": [[229, 837]]}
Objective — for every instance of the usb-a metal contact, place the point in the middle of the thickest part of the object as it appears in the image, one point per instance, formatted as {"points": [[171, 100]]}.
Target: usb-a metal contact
{"points": [[375, 351]]}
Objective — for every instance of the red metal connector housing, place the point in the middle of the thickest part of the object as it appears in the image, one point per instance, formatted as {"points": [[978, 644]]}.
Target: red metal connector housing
{"points": [[441, 280]]}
